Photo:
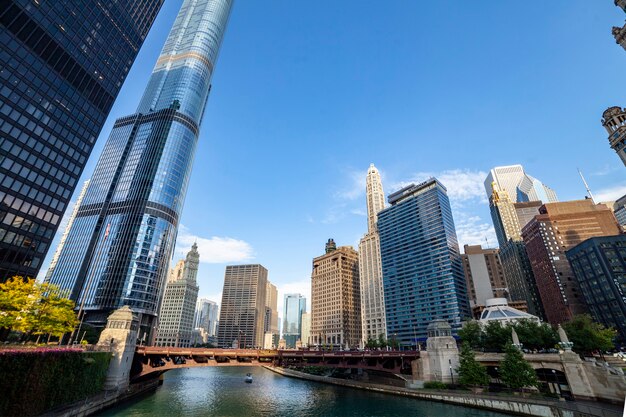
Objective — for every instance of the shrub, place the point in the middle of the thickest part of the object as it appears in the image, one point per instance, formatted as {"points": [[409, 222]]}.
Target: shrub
{"points": [[35, 381], [435, 385]]}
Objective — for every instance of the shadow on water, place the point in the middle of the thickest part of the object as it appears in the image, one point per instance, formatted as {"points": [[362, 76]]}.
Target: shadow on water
{"points": [[223, 392]]}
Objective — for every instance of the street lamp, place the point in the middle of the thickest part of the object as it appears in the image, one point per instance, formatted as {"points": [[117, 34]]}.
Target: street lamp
{"points": [[556, 383]]}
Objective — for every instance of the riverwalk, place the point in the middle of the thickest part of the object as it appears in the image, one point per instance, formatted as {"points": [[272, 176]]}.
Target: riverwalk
{"points": [[508, 404]]}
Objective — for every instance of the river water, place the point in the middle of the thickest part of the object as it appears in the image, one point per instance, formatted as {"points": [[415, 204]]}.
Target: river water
{"points": [[223, 392]]}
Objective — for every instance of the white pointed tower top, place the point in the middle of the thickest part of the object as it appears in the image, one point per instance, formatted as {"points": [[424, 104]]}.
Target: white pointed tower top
{"points": [[375, 197]]}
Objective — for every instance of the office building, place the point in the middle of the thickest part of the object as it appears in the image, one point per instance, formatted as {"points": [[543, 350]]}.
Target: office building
{"points": [[619, 209], [370, 268], [271, 304], [294, 306], [242, 313], [62, 64], [176, 316], [335, 298], [614, 121], [422, 270], [70, 221], [599, 266], [519, 186], [484, 274], [206, 317], [558, 228], [123, 237], [305, 333], [508, 219]]}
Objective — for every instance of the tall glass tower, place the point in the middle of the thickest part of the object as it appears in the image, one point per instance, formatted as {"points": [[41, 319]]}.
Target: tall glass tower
{"points": [[422, 270], [62, 64], [118, 250], [295, 305]]}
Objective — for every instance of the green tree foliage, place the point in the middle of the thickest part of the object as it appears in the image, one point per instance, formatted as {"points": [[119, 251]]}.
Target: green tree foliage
{"points": [[588, 336], [533, 335], [515, 371], [471, 373], [382, 342], [35, 308], [471, 333], [371, 343], [496, 336]]}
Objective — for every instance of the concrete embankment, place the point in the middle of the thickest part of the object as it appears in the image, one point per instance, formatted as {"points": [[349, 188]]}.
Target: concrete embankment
{"points": [[510, 404], [105, 399]]}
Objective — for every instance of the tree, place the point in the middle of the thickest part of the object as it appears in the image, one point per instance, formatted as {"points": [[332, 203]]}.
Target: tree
{"points": [[587, 335], [34, 308], [371, 343], [534, 335], [471, 373], [382, 342], [496, 336], [471, 332], [515, 371]]}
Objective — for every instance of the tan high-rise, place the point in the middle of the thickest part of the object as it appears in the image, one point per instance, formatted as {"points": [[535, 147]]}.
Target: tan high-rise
{"points": [[484, 274], [557, 228], [373, 321], [335, 298]]}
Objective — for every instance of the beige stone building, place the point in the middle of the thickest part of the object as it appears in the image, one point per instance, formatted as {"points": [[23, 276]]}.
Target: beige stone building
{"points": [[614, 121], [335, 297], [373, 319], [176, 316]]}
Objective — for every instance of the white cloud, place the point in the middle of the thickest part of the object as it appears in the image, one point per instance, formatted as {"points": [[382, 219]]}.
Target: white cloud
{"points": [[611, 193], [472, 230], [215, 249], [355, 188], [462, 184]]}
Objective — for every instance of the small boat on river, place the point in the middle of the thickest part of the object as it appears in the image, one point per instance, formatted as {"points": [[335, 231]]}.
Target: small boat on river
{"points": [[249, 378]]}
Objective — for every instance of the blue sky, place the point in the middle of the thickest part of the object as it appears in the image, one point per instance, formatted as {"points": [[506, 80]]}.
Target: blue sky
{"points": [[307, 94]]}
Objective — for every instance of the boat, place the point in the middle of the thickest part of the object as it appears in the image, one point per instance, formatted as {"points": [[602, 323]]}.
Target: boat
{"points": [[249, 378]]}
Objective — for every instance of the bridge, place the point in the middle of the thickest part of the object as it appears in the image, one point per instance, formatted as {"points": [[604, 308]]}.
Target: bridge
{"points": [[153, 360]]}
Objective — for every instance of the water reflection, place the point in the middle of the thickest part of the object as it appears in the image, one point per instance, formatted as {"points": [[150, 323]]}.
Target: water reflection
{"points": [[223, 392]]}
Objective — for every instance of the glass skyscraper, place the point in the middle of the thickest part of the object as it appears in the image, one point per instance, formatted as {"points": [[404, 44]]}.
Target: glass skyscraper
{"points": [[295, 305], [118, 250], [62, 64], [423, 275]]}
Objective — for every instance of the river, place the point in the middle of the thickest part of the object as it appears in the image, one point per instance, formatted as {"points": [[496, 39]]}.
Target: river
{"points": [[223, 392]]}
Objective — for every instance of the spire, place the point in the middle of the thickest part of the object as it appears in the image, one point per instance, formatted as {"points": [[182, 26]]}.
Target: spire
{"points": [[331, 246], [375, 197]]}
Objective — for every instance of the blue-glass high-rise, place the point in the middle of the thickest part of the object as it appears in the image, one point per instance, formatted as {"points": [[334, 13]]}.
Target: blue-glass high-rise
{"points": [[118, 250], [62, 64], [294, 305], [422, 270]]}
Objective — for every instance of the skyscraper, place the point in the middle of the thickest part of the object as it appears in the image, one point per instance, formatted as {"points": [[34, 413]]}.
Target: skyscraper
{"points": [[176, 315], [206, 317], [335, 303], [514, 199], [271, 305], [599, 264], [557, 228], [422, 270], [619, 209], [614, 121], [518, 184], [294, 306], [62, 64], [121, 242], [370, 269], [242, 315], [70, 221]]}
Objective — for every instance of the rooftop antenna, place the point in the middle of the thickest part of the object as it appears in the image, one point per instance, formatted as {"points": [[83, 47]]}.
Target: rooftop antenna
{"points": [[586, 186]]}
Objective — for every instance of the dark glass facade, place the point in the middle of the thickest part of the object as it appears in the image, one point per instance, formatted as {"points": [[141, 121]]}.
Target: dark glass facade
{"points": [[62, 64], [119, 247], [599, 266], [423, 275]]}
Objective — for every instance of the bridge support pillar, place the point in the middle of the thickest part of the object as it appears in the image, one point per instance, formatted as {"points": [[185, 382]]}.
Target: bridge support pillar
{"points": [[120, 336]]}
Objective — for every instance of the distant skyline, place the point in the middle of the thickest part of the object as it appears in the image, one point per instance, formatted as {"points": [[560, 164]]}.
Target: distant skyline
{"points": [[307, 95]]}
